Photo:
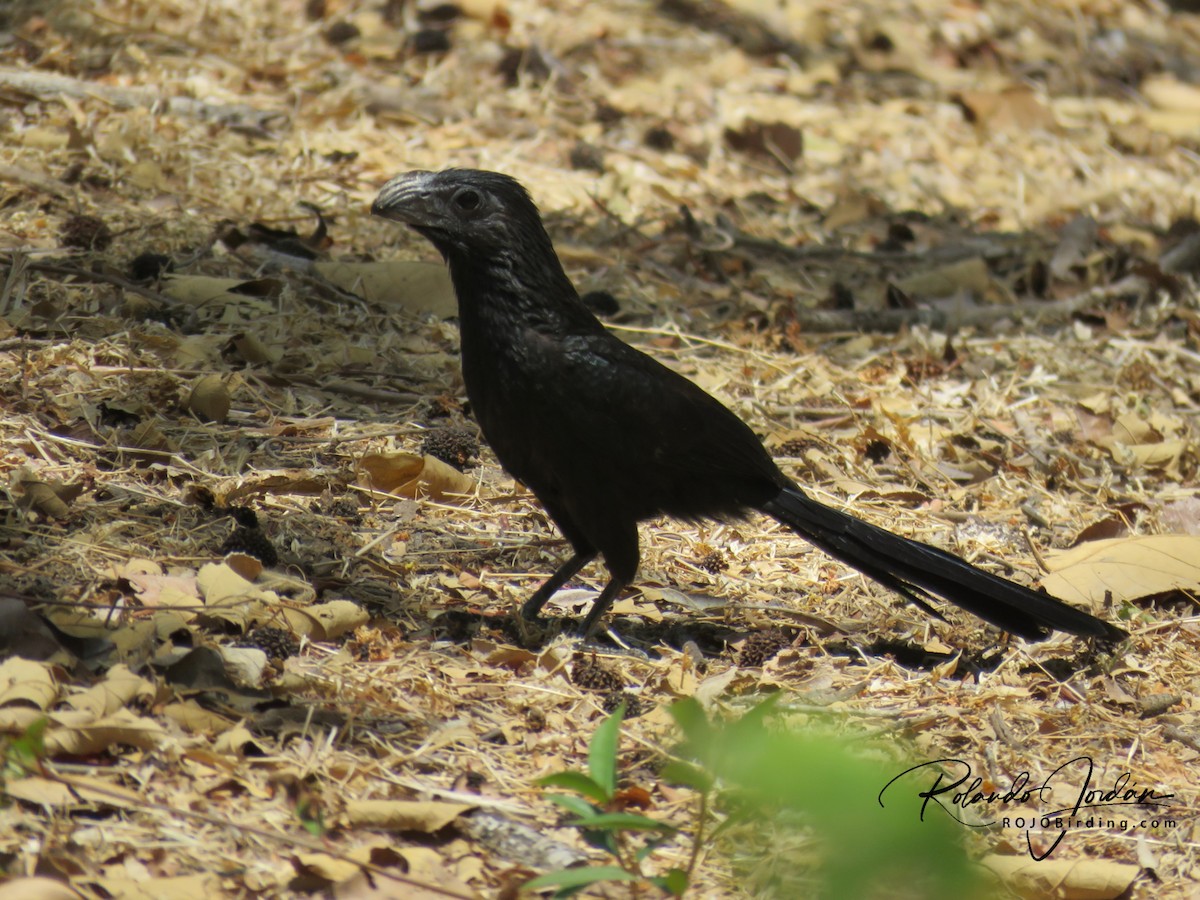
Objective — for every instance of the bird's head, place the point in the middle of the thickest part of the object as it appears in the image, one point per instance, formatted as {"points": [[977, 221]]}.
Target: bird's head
{"points": [[463, 211]]}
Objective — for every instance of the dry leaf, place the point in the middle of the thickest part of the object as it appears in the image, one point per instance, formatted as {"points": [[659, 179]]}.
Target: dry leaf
{"points": [[773, 140], [860, 490], [253, 351], [119, 688], [203, 290], [1182, 516], [1179, 123], [1069, 879], [333, 869], [245, 665], [1015, 108], [326, 621], [193, 717], [1167, 92], [248, 567], [968, 276], [209, 398], [297, 481], [28, 683], [628, 606], [82, 734], [417, 287], [182, 887], [157, 589], [403, 815], [431, 867], [80, 791], [852, 207], [410, 475], [1129, 567], [219, 584], [37, 889], [45, 498], [16, 719], [147, 436]]}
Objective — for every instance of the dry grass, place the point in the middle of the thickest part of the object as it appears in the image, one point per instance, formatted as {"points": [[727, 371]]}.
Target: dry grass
{"points": [[995, 441]]}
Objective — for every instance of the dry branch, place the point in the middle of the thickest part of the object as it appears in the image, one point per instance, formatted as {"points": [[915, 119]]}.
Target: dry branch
{"points": [[51, 86]]}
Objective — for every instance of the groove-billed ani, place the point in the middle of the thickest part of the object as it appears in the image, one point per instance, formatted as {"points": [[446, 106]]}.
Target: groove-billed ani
{"points": [[606, 437]]}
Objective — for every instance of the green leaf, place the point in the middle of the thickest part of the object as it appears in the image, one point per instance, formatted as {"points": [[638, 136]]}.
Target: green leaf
{"points": [[684, 773], [628, 821], [651, 846], [752, 726], [579, 877], [602, 839], [26, 752], [602, 753], [578, 782], [576, 805], [689, 716], [675, 882]]}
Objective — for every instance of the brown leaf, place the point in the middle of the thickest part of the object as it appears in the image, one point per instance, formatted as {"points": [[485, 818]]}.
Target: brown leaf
{"points": [[417, 287], [410, 475], [326, 621], [204, 290], [774, 140], [969, 276], [37, 888], [209, 398], [852, 207], [48, 499], [1074, 879], [27, 683], [82, 734], [403, 815], [293, 481], [119, 687], [1128, 567], [1182, 516], [1015, 108]]}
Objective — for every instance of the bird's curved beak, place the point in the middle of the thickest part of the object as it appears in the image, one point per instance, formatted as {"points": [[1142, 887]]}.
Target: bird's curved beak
{"points": [[405, 199]]}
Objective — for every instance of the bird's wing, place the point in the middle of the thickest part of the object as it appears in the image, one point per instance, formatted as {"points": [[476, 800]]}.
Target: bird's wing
{"points": [[577, 391]]}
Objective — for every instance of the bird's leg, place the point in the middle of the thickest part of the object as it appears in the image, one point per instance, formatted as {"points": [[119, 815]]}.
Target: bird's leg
{"points": [[561, 576], [600, 607]]}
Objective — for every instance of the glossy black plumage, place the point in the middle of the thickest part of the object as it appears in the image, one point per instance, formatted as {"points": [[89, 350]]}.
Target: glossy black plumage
{"points": [[606, 436]]}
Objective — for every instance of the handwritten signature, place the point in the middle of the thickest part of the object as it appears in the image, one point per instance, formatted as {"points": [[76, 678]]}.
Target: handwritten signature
{"points": [[951, 794]]}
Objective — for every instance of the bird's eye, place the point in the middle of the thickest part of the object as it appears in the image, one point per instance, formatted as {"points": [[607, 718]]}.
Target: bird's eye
{"points": [[467, 199]]}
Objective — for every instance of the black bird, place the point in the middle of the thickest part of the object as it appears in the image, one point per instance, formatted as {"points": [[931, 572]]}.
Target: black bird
{"points": [[606, 437]]}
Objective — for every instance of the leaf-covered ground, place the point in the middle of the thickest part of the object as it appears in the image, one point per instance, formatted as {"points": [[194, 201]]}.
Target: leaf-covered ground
{"points": [[941, 255]]}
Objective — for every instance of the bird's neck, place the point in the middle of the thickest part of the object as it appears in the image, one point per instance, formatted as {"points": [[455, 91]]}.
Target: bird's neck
{"points": [[530, 290]]}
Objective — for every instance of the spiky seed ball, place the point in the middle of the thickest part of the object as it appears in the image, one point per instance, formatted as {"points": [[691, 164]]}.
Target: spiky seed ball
{"points": [[762, 645], [244, 516], [85, 232], [275, 642], [589, 673], [438, 408], [634, 706], [710, 559], [149, 266], [535, 719], [252, 542], [794, 447], [454, 445]]}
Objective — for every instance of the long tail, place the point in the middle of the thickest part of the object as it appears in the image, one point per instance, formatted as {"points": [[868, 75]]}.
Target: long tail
{"points": [[920, 572]]}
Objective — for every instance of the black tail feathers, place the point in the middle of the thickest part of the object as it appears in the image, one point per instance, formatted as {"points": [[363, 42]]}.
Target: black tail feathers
{"points": [[920, 572]]}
